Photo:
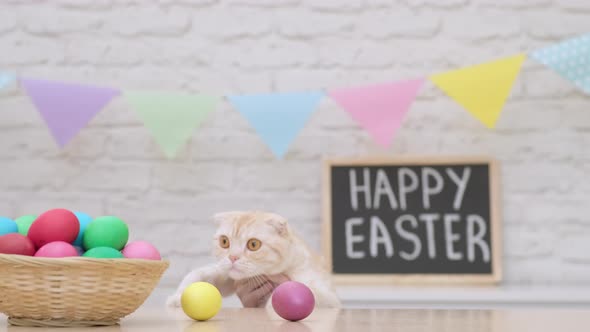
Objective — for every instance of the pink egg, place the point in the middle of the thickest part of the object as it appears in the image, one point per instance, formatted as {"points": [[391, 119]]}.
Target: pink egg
{"points": [[57, 249], [293, 300], [54, 225], [141, 250]]}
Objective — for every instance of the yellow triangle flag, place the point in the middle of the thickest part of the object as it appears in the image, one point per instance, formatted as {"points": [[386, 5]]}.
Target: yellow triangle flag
{"points": [[482, 89]]}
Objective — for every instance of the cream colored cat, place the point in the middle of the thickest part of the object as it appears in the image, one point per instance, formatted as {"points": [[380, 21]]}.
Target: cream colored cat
{"points": [[253, 244]]}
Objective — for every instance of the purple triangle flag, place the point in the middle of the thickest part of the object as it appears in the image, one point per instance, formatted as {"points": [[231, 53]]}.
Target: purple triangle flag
{"points": [[67, 107]]}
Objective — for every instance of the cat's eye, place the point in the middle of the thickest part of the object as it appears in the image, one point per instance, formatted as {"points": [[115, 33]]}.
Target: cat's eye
{"points": [[254, 244], [224, 242]]}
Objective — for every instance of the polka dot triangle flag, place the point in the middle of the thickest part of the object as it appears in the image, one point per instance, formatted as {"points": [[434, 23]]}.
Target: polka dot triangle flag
{"points": [[570, 59]]}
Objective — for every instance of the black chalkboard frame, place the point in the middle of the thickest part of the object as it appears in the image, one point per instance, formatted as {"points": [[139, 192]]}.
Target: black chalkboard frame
{"points": [[430, 279]]}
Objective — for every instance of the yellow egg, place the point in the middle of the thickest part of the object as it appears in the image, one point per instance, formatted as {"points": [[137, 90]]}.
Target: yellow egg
{"points": [[201, 301]]}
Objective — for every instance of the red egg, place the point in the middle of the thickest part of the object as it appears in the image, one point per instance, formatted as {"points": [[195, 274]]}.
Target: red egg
{"points": [[16, 244], [56, 250], [54, 225]]}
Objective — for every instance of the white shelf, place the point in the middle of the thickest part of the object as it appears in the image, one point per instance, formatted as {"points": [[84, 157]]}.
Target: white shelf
{"points": [[464, 297]]}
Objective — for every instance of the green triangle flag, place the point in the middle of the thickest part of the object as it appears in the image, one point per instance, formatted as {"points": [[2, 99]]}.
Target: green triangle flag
{"points": [[171, 117]]}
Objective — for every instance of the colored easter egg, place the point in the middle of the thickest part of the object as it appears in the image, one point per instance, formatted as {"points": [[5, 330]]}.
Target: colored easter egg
{"points": [[201, 301], [7, 226], [141, 250], [107, 231], [79, 250], [84, 220], [24, 223], [16, 244], [54, 225], [103, 252], [57, 249], [293, 300]]}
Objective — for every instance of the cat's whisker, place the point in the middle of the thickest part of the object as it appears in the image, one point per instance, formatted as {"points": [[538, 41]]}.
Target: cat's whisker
{"points": [[249, 282], [250, 269], [255, 280], [259, 281], [263, 283]]}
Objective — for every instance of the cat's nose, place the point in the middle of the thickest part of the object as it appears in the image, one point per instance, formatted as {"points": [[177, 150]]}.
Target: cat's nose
{"points": [[233, 258]]}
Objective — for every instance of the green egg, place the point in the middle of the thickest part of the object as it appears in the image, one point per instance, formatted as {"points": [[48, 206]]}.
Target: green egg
{"points": [[24, 223], [107, 231], [103, 252]]}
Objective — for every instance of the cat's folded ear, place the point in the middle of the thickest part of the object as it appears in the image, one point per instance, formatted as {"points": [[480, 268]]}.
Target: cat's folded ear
{"points": [[279, 223], [220, 217]]}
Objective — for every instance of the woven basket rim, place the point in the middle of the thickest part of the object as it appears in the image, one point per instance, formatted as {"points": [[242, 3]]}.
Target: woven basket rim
{"points": [[76, 261]]}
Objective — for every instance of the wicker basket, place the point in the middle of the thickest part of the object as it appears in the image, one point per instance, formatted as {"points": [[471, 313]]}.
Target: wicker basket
{"points": [[74, 291]]}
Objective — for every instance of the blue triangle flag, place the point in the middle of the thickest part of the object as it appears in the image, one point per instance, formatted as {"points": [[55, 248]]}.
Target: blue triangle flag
{"points": [[277, 117], [570, 59], [5, 79]]}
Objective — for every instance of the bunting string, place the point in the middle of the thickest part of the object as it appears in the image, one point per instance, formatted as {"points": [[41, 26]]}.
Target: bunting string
{"points": [[172, 117]]}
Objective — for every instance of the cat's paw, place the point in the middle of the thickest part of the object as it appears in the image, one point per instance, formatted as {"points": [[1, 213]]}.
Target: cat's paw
{"points": [[173, 301]]}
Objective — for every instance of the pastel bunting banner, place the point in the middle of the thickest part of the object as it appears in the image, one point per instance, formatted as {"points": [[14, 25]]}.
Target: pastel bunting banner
{"points": [[380, 108], [570, 59], [171, 117], [277, 117], [482, 89], [67, 107], [5, 79]]}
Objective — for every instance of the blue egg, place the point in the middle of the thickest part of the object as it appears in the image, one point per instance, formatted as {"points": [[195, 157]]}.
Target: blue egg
{"points": [[79, 250], [84, 220], [7, 226]]}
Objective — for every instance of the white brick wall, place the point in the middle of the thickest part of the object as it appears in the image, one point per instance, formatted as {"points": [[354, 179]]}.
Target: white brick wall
{"points": [[235, 46]]}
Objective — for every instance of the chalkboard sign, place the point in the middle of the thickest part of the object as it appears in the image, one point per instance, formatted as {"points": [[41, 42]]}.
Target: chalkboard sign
{"points": [[412, 220]]}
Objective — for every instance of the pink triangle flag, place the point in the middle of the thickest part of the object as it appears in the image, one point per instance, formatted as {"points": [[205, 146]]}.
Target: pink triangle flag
{"points": [[379, 108], [67, 107]]}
